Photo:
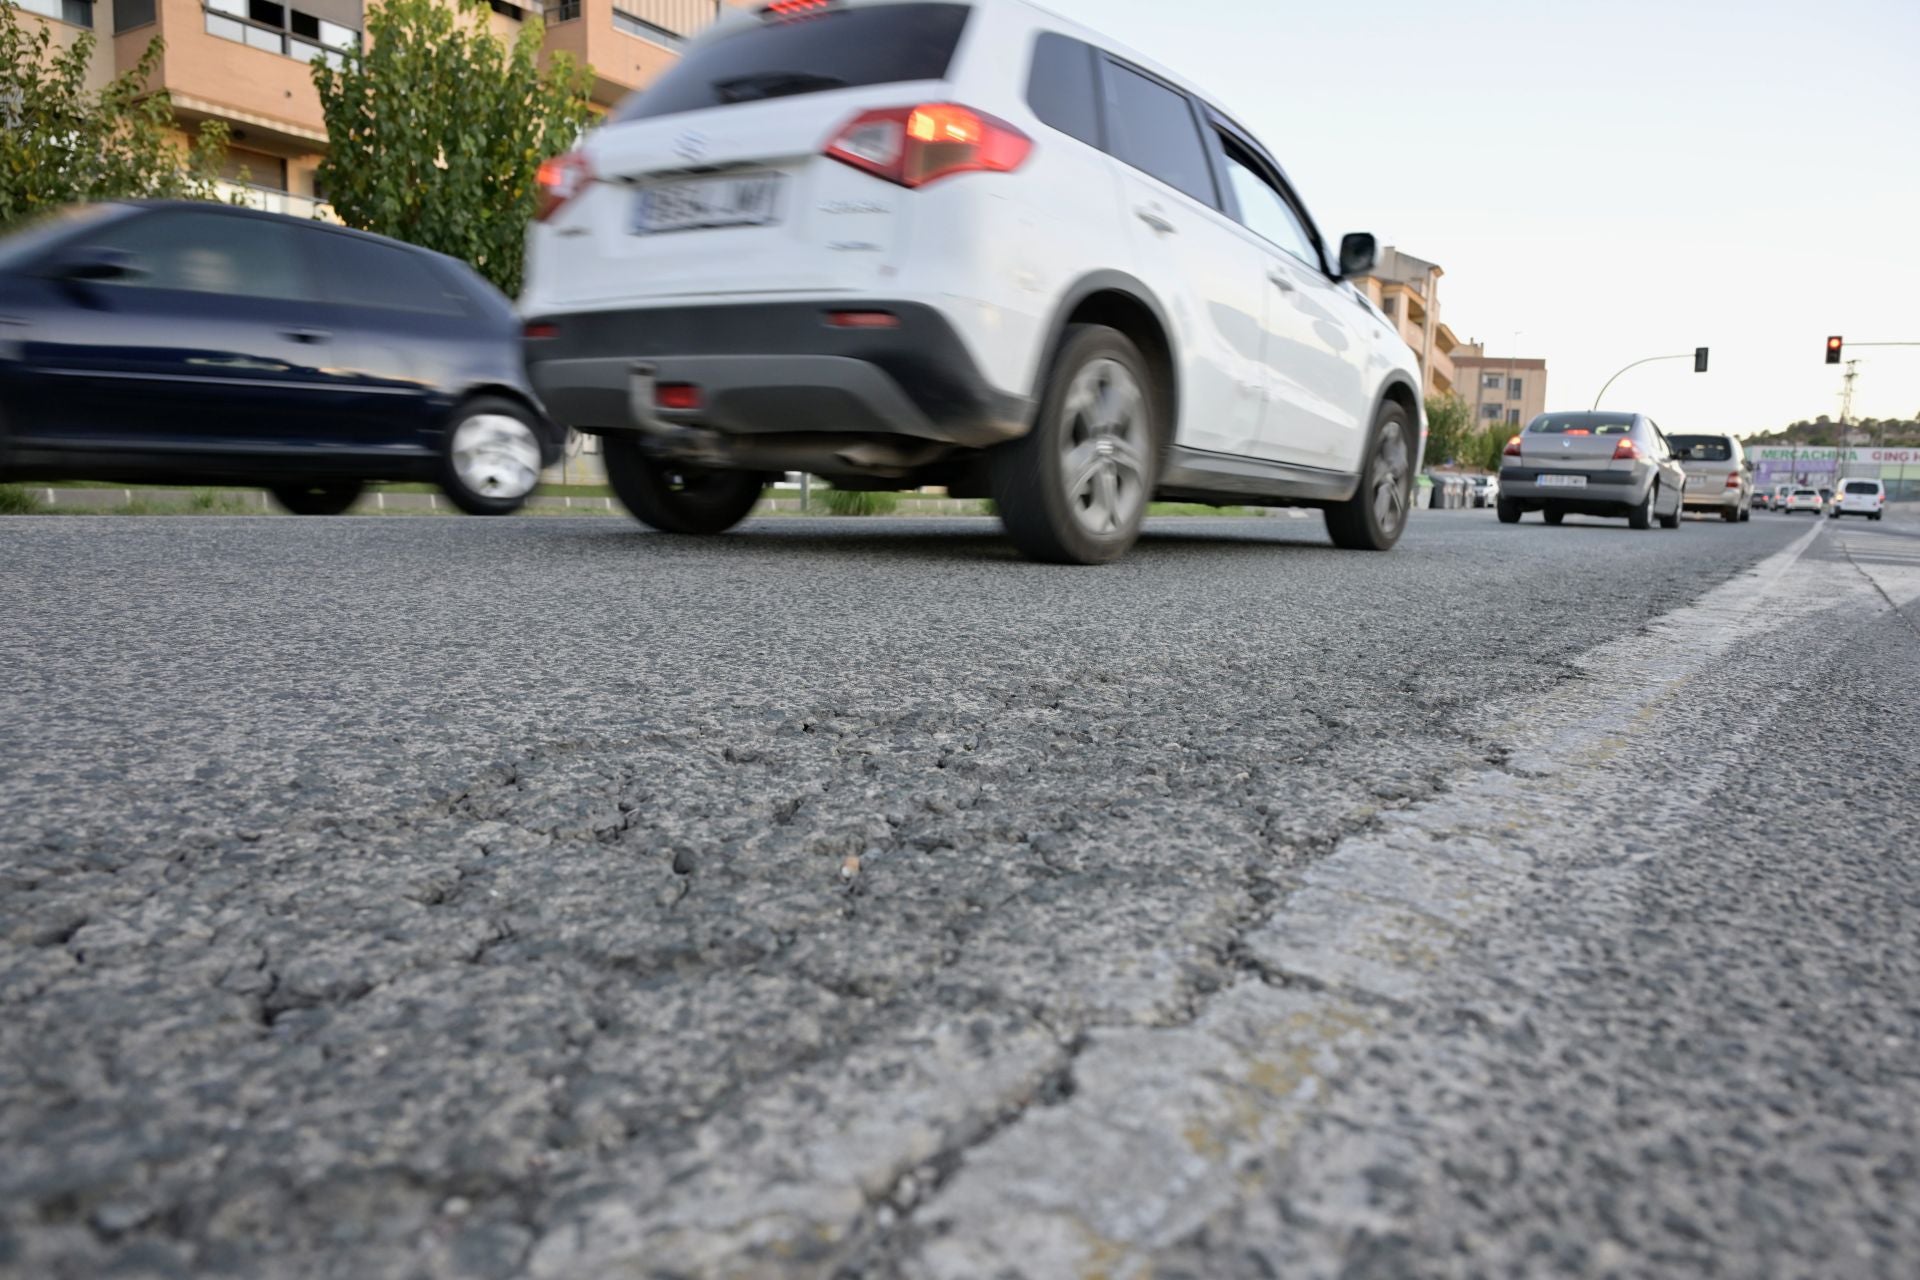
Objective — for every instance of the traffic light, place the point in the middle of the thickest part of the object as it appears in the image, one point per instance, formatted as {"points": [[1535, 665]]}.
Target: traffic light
{"points": [[1833, 349], [1699, 359]]}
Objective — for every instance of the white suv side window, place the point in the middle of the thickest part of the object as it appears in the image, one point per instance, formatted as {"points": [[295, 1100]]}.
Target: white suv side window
{"points": [[1265, 212], [1155, 132]]}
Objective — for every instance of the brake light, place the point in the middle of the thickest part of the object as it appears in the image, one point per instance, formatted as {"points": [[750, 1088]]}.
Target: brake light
{"points": [[1733, 482], [795, 8], [539, 329], [680, 397], [1513, 448], [561, 178], [863, 320], [913, 146], [1626, 451]]}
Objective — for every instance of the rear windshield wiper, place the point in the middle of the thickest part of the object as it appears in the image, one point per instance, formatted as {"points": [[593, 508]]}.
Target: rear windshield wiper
{"points": [[774, 84]]}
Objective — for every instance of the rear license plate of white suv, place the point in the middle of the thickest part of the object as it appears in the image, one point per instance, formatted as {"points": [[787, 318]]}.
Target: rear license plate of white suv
{"points": [[708, 202], [1563, 482]]}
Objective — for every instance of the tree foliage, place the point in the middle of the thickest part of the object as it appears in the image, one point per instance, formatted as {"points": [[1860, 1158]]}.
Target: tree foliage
{"points": [[437, 128], [63, 143], [1449, 429]]}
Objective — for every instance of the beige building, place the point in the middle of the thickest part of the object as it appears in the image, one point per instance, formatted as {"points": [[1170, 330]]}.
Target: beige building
{"points": [[1407, 290], [1509, 390], [246, 62]]}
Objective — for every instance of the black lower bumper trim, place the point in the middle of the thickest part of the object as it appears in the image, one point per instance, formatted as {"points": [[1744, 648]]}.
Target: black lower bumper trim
{"points": [[774, 369]]}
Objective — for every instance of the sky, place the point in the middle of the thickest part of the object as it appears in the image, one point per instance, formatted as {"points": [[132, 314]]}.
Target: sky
{"points": [[1610, 179]]}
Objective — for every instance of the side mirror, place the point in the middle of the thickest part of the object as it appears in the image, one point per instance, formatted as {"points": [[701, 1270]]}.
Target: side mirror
{"points": [[96, 265], [1359, 254]]}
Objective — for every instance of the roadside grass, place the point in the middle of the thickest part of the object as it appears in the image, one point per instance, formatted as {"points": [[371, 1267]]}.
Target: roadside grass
{"points": [[18, 500], [855, 502]]}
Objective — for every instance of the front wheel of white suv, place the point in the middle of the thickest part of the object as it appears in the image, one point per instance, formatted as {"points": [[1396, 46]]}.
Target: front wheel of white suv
{"points": [[1074, 490], [1376, 515]]}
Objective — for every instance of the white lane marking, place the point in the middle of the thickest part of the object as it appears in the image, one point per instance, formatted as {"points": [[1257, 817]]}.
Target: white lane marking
{"points": [[1167, 1124]]}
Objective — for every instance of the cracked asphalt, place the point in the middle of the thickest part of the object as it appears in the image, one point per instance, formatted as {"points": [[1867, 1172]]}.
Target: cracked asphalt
{"points": [[550, 898]]}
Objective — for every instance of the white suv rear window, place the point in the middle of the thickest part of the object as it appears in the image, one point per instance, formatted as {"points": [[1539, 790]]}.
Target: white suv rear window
{"points": [[785, 57], [1863, 486]]}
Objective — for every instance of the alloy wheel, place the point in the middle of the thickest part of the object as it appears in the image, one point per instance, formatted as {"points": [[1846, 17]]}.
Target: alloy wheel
{"points": [[496, 455], [1104, 446]]}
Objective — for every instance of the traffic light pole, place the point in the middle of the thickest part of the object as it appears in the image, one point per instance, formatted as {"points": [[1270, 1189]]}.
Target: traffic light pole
{"points": [[1691, 355]]}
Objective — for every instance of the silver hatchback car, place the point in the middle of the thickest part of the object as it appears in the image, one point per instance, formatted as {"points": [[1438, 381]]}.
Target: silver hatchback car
{"points": [[1719, 478], [1595, 464]]}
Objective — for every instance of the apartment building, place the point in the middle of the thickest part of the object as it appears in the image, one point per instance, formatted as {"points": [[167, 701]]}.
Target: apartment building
{"points": [[1510, 390], [246, 62], [1407, 290]]}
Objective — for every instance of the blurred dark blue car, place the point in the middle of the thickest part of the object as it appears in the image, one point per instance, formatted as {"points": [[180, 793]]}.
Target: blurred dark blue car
{"points": [[200, 343]]}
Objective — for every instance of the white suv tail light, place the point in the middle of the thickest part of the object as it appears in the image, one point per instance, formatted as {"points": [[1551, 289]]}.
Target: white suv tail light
{"points": [[561, 178], [913, 146]]}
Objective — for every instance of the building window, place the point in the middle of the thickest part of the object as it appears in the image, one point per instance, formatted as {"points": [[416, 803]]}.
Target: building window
{"points": [[1491, 381], [78, 12], [128, 14], [1490, 412], [1388, 305], [1513, 417], [562, 11], [1513, 387], [274, 28], [506, 9]]}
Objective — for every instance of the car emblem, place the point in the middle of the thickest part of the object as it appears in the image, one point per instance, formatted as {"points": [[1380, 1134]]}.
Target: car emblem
{"points": [[690, 146]]}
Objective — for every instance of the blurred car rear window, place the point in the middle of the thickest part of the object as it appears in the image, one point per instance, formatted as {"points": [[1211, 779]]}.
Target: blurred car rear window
{"points": [[1704, 448], [1863, 486], [783, 58], [1593, 424]]}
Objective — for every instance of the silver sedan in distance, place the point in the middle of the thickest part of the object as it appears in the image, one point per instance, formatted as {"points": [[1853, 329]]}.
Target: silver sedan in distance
{"points": [[1594, 464]]}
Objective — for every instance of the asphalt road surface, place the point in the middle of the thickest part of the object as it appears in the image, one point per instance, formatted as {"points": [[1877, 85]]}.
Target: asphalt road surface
{"points": [[465, 898]]}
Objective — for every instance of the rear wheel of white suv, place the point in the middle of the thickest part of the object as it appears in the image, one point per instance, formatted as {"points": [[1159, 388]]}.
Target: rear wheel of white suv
{"points": [[1074, 490], [675, 497], [1374, 518]]}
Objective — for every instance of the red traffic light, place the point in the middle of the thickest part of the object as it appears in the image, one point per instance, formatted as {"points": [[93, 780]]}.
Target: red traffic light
{"points": [[1833, 350]]}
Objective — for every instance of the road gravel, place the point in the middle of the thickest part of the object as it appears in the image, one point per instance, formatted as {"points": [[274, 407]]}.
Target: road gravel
{"points": [[552, 898]]}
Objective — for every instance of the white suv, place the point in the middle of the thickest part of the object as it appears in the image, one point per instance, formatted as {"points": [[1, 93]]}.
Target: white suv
{"points": [[899, 243], [1860, 498]]}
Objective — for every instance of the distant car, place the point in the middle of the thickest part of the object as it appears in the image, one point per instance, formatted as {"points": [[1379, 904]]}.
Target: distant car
{"points": [[1486, 491], [1826, 494], [206, 344], [1805, 500], [1860, 498], [1781, 492], [1718, 478], [1597, 464]]}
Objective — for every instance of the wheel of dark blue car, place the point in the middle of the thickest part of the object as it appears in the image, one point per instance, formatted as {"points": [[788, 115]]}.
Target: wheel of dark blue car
{"points": [[490, 461], [328, 498]]}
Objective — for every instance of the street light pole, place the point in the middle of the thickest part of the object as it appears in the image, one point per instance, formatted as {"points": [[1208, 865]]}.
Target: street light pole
{"points": [[1635, 365]]}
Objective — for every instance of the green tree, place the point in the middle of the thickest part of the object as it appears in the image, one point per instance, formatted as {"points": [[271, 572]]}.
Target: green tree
{"points": [[1449, 428], [437, 128], [63, 143]]}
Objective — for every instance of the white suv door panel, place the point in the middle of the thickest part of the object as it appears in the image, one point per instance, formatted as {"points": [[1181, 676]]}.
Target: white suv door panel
{"points": [[1205, 273], [1314, 358]]}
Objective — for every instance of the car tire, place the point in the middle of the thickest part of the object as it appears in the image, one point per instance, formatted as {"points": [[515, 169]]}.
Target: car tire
{"points": [[1509, 511], [675, 497], [1552, 515], [1731, 515], [329, 498], [1075, 489], [490, 458], [1672, 521], [1376, 515], [1746, 514], [1641, 517]]}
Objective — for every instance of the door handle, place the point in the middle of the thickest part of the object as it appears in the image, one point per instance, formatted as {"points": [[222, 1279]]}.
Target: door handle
{"points": [[1157, 222], [1282, 279], [309, 335]]}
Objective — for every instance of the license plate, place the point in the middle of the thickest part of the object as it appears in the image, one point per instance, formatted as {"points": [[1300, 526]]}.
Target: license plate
{"points": [[1563, 482], [709, 202]]}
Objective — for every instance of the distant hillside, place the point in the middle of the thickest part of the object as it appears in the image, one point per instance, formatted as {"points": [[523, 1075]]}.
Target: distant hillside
{"points": [[1824, 433]]}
